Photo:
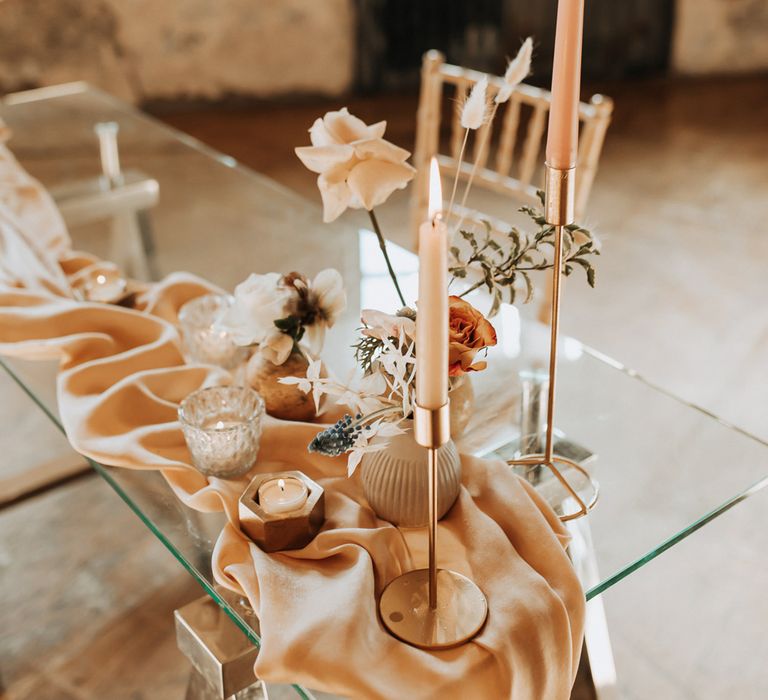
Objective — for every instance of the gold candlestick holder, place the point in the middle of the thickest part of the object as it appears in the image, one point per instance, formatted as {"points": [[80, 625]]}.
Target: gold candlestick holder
{"points": [[558, 211], [433, 608]]}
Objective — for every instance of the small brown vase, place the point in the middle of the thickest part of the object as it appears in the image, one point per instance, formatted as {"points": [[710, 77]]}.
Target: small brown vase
{"points": [[284, 401], [462, 397]]}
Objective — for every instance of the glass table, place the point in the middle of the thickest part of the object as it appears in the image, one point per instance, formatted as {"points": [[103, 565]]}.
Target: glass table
{"points": [[665, 468]]}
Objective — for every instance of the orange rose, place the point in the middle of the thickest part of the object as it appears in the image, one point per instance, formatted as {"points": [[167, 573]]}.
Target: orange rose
{"points": [[468, 333]]}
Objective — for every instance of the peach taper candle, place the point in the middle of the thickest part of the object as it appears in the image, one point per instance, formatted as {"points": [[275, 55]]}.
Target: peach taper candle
{"points": [[432, 316], [562, 140]]}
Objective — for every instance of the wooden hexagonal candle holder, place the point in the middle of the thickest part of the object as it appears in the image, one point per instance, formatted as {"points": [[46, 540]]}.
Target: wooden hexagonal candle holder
{"points": [[275, 532]]}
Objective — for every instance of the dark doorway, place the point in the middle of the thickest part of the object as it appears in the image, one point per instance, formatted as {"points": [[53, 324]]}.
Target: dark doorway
{"points": [[621, 39]]}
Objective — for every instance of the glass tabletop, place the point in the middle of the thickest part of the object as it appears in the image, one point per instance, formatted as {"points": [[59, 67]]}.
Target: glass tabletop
{"points": [[665, 467]]}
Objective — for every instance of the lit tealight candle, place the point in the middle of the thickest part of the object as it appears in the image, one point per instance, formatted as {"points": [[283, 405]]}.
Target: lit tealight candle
{"points": [[278, 496], [104, 285]]}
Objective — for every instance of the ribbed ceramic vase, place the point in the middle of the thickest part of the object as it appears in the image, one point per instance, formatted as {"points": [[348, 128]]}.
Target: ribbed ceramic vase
{"points": [[395, 479]]}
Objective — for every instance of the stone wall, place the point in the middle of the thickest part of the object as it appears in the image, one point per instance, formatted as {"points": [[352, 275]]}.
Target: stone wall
{"points": [[145, 49], [720, 36]]}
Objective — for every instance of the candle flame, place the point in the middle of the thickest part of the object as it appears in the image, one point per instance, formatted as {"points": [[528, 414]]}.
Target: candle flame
{"points": [[101, 279], [435, 190], [281, 484]]}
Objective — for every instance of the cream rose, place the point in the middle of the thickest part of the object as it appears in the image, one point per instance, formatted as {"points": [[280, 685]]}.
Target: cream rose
{"points": [[356, 167]]}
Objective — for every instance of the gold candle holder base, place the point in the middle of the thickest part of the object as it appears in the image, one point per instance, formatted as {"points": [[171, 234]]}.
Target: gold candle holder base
{"points": [[559, 212], [567, 500], [432, 608], [460, 613]]}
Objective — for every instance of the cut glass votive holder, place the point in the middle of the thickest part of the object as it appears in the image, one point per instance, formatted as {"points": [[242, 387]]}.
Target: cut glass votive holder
{"points": [[204, 340], [222, 427]]}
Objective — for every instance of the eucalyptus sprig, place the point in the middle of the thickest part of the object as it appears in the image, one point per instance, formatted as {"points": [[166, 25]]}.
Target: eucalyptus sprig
{"points": [[504, 260]]}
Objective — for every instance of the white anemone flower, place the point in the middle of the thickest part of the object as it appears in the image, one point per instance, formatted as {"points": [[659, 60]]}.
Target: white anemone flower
{"points": [[327, 300], [259, 301]]}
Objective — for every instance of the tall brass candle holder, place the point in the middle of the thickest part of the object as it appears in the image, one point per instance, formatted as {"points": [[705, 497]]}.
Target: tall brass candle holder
{"points": [[558, 211], [433, 608]]}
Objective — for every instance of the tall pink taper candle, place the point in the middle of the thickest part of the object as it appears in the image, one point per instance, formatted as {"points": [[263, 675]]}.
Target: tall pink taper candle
{"points": [[432, 313], [562, 141]]}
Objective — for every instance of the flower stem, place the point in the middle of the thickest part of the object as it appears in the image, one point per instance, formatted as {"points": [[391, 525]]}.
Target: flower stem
{"points": [[472, 174], [377, 414], [456, 177], [383, 246]]}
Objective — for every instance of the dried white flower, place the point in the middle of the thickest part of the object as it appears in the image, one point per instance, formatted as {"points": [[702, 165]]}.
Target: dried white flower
{"points": [[363, 442], [312, 382], [474, 110], [517, 71]]}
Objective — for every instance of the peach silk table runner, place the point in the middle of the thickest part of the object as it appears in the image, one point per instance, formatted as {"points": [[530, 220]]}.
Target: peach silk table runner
{"points": [[121, 378]]}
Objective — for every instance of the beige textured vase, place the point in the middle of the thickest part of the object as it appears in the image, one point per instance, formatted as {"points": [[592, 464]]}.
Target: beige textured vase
{"points": [[462, 397], [284, 401], [395, 480]]}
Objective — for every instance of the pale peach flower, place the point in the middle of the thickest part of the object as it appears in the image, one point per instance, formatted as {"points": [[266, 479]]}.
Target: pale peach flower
{"points": [[356, 167], [380, 325]]}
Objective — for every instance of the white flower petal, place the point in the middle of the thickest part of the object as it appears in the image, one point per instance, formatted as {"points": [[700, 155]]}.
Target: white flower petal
{"points": [[314, 336], [373, 181], [336, 198], [319, 135], [291, 380], [277, 347], [379, 149], [258, 302], [373, 384], [345, 127], [329, 287], [381, 325], [321, 159], [313, 369], [353, 460], [389, 429]]}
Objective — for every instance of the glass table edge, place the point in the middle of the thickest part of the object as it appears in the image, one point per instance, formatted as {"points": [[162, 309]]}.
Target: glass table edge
{"points": [[621, 367], [605, 583], [103, 471]]}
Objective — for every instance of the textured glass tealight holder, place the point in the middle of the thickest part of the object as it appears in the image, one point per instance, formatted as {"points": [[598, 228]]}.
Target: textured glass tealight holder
{"points": [[222, 426], [204, 340]]}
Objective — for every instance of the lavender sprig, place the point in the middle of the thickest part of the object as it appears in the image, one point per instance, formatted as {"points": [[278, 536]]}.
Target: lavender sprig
{"points": [[340, 437]]}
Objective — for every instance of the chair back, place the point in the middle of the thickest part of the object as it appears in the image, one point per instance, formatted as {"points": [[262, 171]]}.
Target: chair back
{"points": [[508, 159]]}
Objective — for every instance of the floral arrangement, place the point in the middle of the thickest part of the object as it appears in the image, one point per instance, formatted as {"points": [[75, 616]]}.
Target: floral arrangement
{"points": [[276, 312], [385, 394], [358, 168]]}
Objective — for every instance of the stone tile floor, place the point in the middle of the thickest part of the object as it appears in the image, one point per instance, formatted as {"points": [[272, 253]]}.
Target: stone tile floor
{"points": [[680, 203]]}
